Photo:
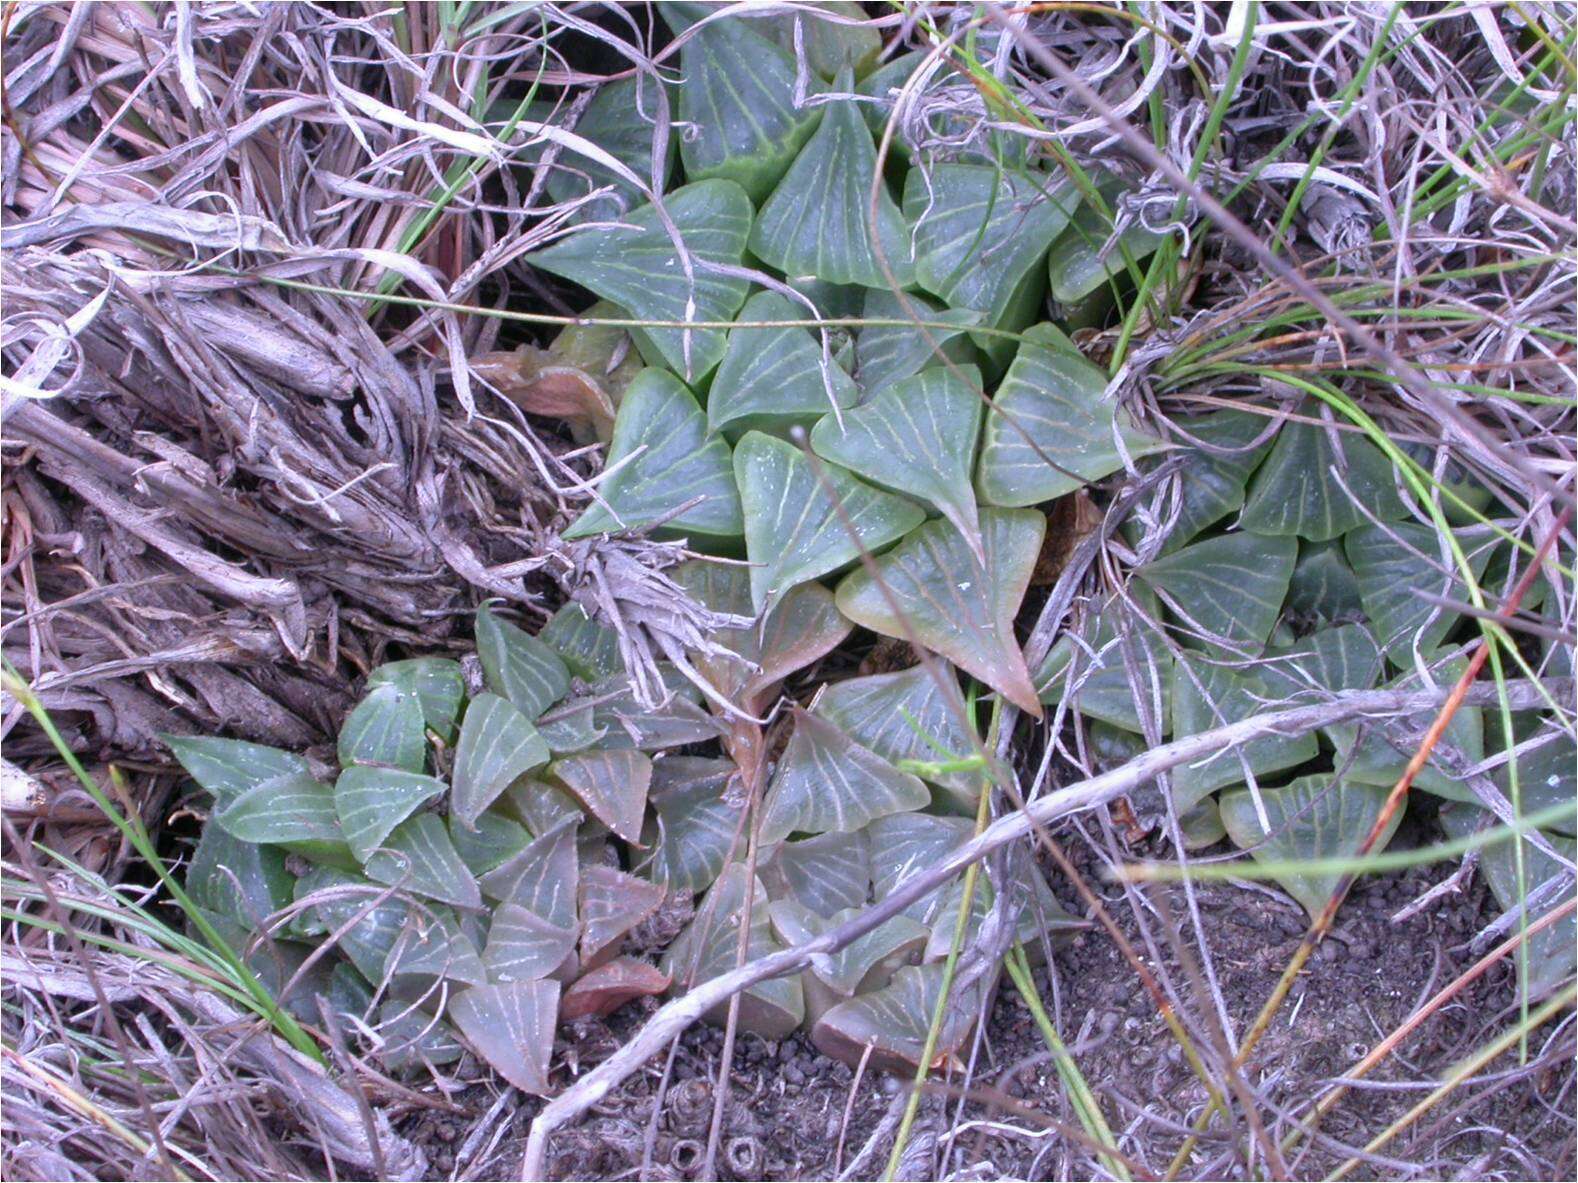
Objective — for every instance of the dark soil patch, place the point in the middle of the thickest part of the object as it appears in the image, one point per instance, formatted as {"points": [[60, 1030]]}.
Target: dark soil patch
{"points": [[787, 1103]]}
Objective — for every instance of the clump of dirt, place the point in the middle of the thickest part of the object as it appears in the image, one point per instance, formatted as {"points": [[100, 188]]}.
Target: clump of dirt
{"points": [[786, 1117]]}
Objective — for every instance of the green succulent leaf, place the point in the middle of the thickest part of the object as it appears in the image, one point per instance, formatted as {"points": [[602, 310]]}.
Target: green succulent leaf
{"points": [[894, 715], [386, 730], [886, 353], [1224, 696], [795, 528], [495, 840], [1327, 661], [1231, 587], [612, 903], [981, 231], [518, 666], [497, 745], [1312, 818], [229, 767], [867, 962], [1212, 484], [296, 807], [1324, 587], [418, 856], [895, 1022], [589, 649], [372, 917], [411, 1039], [1396, 568], [437, 683], [772, 379], [1078, 268], [951, 602], [612, 785], [511, 1027], [819, 221], [620, 119], [825, 874], [737, 100], [1051, 429], [635, 264], [625, 723], [1296, 493], [540, 806], [522, 946], [240, 881], [371, 802], [826, 782], [667, 460], [709, 947], [543, 878], [830, 46], [1550, 958], [694, 822], [906, 844], [1547, 775], [1094, 660], [433, 946], [917, 436]]}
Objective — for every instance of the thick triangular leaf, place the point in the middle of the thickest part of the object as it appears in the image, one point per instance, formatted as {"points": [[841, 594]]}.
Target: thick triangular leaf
{"points": [[385, 730], [589, 649], [540, 806], [432, 945], [612, 785], [1550, 957], [981, 231], [523, 947], [829, 45], [612, 903], [795, 528], [625, 723], [1202, 826], [709, 947], [695, 822], [604, 990], [229, 767], [818, 220], [495, 840], [953, 604], [1038, 916], [412, 1039], [1396, 569], [667, 460], [907, 844], [917, 436], [1324, 587], [1547, 775], [825, 874], [292, 808], [801, 627], [858, 966], [1078, 265], [240, 881], [437, 683], [1231, 587], [497, 745], [736, 102], [418, 856], [373, 801], [891, 714], [620, 119], [518, 666], [1212, 483], [1312, 818], [1330, 660], [774, 379], [1094, 662], [543, 878], [886, 353], [895, 1022], [1225, 696], [376, 918], [1051, 429], [826, 782], [511, 1027], [635, 264], [1296, 492]]}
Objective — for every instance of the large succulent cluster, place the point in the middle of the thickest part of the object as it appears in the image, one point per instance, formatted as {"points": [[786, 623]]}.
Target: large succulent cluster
{"points": [[481, 852]]}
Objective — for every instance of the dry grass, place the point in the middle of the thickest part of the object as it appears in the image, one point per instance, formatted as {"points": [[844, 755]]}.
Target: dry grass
{"points": [[255, 477]]}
